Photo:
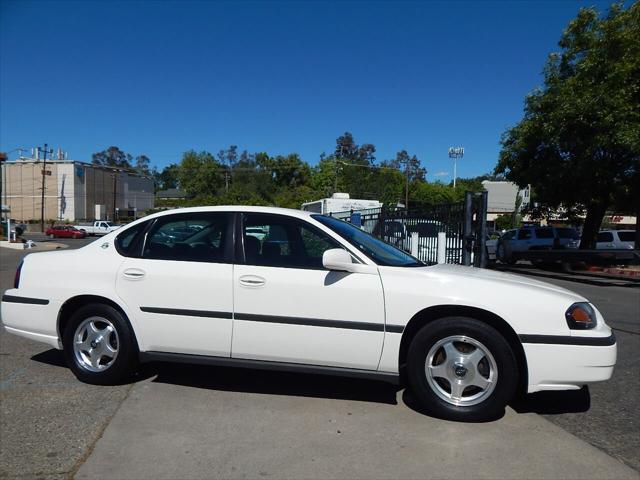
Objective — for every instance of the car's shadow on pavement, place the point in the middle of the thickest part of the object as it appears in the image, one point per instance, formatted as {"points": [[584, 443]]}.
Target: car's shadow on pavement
{"points": [[273, 382], [554, 403], [320, 386]]}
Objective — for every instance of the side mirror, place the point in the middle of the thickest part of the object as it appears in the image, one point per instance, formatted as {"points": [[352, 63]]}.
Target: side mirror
{"points": [[340, 260]]}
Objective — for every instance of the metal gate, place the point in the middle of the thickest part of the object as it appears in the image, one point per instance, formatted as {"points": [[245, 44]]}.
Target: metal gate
{"points": [[463, 223]]}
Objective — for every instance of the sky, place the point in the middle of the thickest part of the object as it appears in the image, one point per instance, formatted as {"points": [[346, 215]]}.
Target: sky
{"points": [[161, 77]]}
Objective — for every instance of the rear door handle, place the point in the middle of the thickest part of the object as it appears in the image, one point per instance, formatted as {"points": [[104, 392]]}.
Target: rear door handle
{"points": [[134, 273], [252, 281]]}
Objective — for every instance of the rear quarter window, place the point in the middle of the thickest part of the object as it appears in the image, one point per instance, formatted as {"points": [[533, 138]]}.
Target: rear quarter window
{"points": [[128, 243]]}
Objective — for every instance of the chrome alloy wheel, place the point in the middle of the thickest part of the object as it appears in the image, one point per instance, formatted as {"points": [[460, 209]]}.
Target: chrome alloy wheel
{"points": [[461, 370], [95, 344]]}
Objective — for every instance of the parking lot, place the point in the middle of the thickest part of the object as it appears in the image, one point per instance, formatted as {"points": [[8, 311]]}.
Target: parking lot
{"points": [[180, 421]]}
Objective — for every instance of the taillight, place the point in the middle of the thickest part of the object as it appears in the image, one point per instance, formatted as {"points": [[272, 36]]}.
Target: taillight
{"points": [[16, 279]]}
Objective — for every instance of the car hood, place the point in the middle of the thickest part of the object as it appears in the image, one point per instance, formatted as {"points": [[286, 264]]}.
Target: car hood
{"points": [[486, 275]]}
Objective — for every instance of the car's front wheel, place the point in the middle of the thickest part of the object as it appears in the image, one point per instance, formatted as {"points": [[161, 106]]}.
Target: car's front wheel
{"points": [[460, 368], [99, 345]]}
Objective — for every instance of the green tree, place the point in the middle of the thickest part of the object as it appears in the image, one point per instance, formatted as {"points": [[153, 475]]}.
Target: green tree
{"points": [[142, 164], [112, 157], [167, 178], [578, 144], [199, 174]]}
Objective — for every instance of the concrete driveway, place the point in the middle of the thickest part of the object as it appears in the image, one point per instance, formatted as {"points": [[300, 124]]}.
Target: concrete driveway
{"points": [[196, 422]]}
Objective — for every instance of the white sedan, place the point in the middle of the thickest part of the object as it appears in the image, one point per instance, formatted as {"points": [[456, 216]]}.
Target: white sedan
{"points": [[311, 294]]}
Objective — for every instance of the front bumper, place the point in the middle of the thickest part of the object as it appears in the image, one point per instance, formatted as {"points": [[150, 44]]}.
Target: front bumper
{"points": [[569, 366]]}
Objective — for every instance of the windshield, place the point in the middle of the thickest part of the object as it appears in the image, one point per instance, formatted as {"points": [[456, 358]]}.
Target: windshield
{"points": [[380, 252]]}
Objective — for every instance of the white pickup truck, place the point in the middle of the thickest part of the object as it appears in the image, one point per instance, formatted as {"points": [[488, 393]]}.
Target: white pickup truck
{"points": [[99, 227]]}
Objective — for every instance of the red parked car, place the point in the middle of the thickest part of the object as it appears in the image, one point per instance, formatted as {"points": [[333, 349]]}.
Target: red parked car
{"points": [[64, 231]]}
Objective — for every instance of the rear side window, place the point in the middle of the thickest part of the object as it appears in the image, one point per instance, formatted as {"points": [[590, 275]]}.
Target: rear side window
{"points": [[189, 237], [128, 242], [544, 233], [605, 237]]}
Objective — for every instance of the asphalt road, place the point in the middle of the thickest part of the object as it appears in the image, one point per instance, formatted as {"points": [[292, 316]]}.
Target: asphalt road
{"points": [[50, 422]]}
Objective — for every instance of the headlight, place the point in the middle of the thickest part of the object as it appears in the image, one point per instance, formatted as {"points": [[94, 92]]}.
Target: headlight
{"points": [[581, 316]]}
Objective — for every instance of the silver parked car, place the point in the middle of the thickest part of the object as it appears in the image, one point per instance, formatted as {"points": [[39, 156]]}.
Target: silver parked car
{"points": [[615, 239], [535, 238]]}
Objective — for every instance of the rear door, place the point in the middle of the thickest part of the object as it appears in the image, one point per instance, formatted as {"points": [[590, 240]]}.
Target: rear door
{"points": [[289, 308], [179, 283]]}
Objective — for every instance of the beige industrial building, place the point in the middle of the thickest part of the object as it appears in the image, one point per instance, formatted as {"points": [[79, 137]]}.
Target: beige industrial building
{"points": [[73, 191]]}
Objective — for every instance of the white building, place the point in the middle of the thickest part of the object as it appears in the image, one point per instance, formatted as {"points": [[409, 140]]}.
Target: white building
{"points": [[72, 190], [501, 198]]}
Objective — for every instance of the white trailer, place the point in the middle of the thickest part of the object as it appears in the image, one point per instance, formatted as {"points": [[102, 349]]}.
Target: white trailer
{"points": [[339, 202]]}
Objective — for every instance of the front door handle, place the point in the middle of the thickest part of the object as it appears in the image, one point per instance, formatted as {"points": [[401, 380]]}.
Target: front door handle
{"points": [[134, 273], [252, 281]]}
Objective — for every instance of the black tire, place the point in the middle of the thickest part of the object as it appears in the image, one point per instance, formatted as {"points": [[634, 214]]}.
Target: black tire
{"points": [[126, 360], [490, 408]]}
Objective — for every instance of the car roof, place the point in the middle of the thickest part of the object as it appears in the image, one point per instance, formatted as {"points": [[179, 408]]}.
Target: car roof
{"points": [[236, 208]]}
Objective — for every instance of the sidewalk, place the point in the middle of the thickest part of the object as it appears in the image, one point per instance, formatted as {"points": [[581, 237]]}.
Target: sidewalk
{"points": [[165, 430]]}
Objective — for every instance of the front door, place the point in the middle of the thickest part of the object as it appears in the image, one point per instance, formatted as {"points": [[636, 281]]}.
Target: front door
{"points": [[180, 287], [289, 308]]}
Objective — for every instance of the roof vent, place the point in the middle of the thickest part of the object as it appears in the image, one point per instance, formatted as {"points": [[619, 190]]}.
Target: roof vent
{"points": [[342, 196]]}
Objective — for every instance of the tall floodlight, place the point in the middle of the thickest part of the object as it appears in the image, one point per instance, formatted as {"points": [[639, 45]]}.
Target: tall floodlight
{"points": [[455, 153]]}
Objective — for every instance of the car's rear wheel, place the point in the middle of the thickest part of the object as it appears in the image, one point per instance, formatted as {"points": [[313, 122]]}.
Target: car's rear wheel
{"points": [[460, 368], [99, 345], [51, 235]]}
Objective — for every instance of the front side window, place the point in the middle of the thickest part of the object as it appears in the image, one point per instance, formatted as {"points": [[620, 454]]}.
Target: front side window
{"points": [[380, 252], [570, 233], [627, 236], [605, 237], [544, 233], [279, 241], [524, 234], [190, 237]]}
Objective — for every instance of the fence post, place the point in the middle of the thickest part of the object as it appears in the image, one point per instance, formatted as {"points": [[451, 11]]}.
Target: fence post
{"points": [[467, 229], [481, 232], [414, 243], [442, 248]]}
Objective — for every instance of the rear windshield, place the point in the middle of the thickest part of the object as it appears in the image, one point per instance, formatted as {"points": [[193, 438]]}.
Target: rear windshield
{"points": [[627, 236], [544, 233], [568, 233]]}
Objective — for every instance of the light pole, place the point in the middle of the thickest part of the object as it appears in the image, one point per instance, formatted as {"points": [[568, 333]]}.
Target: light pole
{"points": [[455, 153]]}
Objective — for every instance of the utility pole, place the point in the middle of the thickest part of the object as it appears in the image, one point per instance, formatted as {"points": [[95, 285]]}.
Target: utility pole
{"points": [[455, 153], [406, 185], [45, 150], [115, 185], [335, 177]]}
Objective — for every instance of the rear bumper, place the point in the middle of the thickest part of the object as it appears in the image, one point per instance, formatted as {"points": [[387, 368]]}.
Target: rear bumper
{"points": [[29, 317], [568, 366]]}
